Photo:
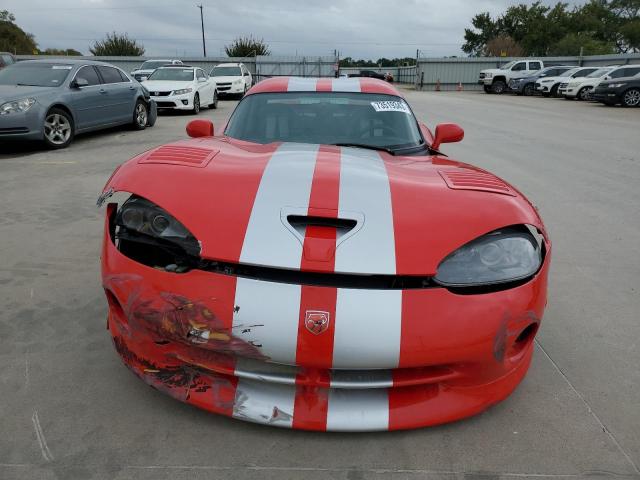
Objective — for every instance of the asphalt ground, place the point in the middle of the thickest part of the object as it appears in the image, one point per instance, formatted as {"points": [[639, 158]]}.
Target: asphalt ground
{"points": [[70, 410]]}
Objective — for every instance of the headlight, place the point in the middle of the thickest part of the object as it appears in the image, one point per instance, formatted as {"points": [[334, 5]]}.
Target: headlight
{"points": [[488, 75], [145, 219], [17, 106], [183, 90], [616, 85], [237, 82], [573, 84], [546, 81], [502, 256]]}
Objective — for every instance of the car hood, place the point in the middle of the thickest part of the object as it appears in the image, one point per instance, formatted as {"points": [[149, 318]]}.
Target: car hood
{"points": [[238, 199], [493, 70], [227, 79], [16, 92], [165, 85]]}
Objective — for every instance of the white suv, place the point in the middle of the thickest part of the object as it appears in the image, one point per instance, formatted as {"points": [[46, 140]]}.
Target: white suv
{"points": [[495, 80], [232, 78], [581, 88], [548, 86]]}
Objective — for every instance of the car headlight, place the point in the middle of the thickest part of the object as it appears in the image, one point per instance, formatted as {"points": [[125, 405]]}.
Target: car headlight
{"points": [[182, 91], [506, 255], [616, 85], [144, 219], [488, 75], [17, 106], [237, 82], [573, 84], [546, 81]]}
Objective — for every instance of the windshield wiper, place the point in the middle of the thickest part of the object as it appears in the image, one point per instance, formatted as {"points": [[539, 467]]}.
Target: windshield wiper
{"points": [[364, 145]]}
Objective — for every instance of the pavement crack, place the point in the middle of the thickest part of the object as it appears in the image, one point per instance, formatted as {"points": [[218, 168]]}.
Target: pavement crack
{"points": [[44, 448], [586, 404]]}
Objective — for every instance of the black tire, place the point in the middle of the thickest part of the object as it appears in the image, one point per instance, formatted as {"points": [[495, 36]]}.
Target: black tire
{"points": [[140, 115], [568, 98], [487, 89], [498, 87], [554, 91], [583, 94], [529, 90], [196, 104], [214, 105], [58, 129], [631, 98]]}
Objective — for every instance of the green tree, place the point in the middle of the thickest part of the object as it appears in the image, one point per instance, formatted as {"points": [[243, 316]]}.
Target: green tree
{"points": [[574, 43], [12, 38], [117, 45], [70, 52], [476, 39], [247, 47]]}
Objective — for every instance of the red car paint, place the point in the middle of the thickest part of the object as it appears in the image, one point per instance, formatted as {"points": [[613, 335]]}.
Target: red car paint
{"points": [[456, 354]]}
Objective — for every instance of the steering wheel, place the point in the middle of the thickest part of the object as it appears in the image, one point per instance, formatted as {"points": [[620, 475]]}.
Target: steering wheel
{"points": [[365, 132]]}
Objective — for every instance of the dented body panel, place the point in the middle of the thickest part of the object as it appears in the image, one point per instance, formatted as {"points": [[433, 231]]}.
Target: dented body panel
{"points": [[291, 348]]}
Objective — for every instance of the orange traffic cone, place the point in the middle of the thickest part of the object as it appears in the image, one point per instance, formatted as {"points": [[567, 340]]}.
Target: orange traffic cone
{"points": [[459, 87], [438, 85]]}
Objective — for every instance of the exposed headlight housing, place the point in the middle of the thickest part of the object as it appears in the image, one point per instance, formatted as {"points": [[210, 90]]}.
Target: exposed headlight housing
{"points": [[17, 106], [143, 219], [506, 255], [182, 91]]}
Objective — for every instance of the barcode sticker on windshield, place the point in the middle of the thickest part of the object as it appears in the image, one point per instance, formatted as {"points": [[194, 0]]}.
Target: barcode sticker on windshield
{"points": [[391, 106]]}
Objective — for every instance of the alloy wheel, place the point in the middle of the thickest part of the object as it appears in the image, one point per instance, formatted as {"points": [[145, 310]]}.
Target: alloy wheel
{"points": [[57, 129], [141, 115], [631, 98]]}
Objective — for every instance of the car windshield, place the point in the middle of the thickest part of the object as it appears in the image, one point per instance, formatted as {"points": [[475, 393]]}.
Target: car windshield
{"points": [[35, 74], [153, 64], [226, 72], [599, 73], [507, 66], [363, 119], [174, 74]]}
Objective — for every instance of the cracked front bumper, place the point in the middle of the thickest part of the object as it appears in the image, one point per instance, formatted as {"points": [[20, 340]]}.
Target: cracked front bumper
{"points": [[463, 356]]}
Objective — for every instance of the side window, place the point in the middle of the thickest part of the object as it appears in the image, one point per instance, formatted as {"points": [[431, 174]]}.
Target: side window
{"points": [[632, 72], [123, 76], [618, 73], [519, 67], [110, 74], [200, 74], [535, 65], [7, 59], [89, 74]]}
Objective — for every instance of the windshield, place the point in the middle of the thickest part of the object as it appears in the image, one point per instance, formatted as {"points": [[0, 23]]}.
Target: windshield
{"points": [[153, 64], [35, 74], [599, 73], [375, 120], [507, 66], [226, 72], [175, 74]]}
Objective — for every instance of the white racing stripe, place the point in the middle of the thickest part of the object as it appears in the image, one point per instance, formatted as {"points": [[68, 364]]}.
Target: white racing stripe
{"points": [[299, 84], [358, 410], [364, 187], [263, 402], [345, 85], [368, 325], [286, 182]]}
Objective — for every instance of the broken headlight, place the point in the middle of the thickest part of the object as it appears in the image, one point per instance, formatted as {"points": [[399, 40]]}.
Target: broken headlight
{"points": [[139, 219], [502, 256]]}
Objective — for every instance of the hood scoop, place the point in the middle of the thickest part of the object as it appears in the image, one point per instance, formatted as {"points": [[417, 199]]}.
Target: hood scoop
{"points": [[467, 179], [180, 155]]}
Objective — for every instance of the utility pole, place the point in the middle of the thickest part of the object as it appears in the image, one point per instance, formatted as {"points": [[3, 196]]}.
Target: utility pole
{"points": [[204, 46]]}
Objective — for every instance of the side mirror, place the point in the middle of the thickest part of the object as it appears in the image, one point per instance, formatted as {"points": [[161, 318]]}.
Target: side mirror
{"points": [[447, 133], [246, 74], [200, 128], [80, 82]]}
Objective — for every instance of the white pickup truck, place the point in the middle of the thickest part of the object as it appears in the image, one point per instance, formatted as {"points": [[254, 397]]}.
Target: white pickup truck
{"points": [[495, 80]]}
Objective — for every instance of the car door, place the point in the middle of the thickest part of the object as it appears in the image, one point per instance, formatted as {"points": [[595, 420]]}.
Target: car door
{"points": [[88, 102], [534, 66], [246, 74], [120, 94], [205, 87], [519, 69]]}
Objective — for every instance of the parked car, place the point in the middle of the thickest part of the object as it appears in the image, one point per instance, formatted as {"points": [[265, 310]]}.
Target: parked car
{"points": [[54, 100], [182, 87], [299, 269], [496, 80], [6, 59], [548, 86], [232, 78], [582, 88], [147, 68], [625, 91], [387, 77], [527, 85]]}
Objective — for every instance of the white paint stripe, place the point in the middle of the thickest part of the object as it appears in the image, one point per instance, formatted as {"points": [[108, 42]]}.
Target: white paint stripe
{"points": [[358, 410], [273, 311], [368, 325], [286, 182], [359, 379], [345, 85], [266, 403], [299, 84], [364, 187], [44, 448]]}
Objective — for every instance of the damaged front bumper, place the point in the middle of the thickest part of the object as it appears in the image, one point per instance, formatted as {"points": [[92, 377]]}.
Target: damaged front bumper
{"points": [[175, 332]]}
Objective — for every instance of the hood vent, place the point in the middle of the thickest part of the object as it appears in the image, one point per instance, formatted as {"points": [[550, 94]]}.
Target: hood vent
{"points": [[475, 180], [180, 155]]}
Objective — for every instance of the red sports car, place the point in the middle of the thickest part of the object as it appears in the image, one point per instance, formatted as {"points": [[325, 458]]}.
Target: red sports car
{"points": [[320, 264]]}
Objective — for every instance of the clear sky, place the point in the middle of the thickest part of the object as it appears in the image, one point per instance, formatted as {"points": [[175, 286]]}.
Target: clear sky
{"points": [[356, 28]]}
